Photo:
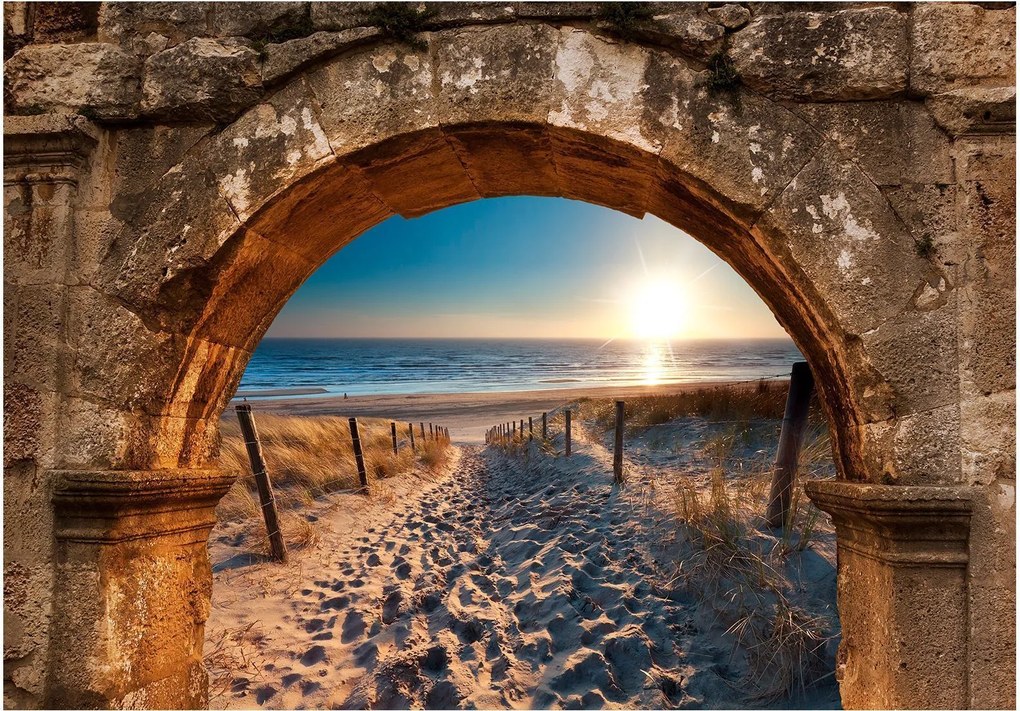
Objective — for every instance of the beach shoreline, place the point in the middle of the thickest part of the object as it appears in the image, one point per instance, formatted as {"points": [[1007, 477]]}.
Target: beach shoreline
{"points": [[467, 415]]}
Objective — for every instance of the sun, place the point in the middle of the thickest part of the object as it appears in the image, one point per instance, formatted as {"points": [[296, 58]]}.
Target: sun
{"points": [[658, 309]]}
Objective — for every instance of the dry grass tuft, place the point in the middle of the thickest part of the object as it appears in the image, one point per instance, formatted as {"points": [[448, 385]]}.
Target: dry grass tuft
{"points": [[234, 660], [309, 458], [727, 556]]}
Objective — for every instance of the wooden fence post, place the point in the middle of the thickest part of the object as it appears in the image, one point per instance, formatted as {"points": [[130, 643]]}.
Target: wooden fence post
{"points": [[422, 432], [432, 434], [258, 468], [784, 476], [618, 445], [531, 429], [522, 429], [393, 436], [566, 415], [359, 456], [410, 431], [545, 428]]}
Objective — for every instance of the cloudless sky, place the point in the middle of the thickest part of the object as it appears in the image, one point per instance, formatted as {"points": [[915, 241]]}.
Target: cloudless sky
{"points": [[521, 267]]}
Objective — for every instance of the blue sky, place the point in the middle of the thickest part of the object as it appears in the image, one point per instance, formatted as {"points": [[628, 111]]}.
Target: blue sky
{"points": [[524, 267]]}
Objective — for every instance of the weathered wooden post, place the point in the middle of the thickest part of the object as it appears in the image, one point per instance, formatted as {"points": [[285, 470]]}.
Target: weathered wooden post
{"points": [[522, 429], [513, 431], [531, 429], [618, 445], [545, 428], [258, 468], [790, 438], [359, 456], [566, 415], [422, 432], [410, 431], [432, 434], [393, 436]]}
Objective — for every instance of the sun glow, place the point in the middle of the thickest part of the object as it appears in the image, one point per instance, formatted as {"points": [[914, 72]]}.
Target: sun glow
{"points": [[658, 310]]}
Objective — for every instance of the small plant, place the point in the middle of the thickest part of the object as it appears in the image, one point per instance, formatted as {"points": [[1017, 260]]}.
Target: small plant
{"points": [[925, 247], [623, 18], [402, 21], [723, 74]]}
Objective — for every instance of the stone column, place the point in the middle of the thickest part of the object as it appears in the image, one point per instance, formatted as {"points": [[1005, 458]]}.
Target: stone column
{"points": [[43, 158], [132, 587], [902, 592]]}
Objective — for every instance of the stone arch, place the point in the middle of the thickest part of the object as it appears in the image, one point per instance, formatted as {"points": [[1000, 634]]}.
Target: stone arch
{"points": [[188, 238], [301, 174]]}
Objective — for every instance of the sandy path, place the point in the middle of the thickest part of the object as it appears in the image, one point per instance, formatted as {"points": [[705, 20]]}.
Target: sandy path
{"points": [[494, 588]]}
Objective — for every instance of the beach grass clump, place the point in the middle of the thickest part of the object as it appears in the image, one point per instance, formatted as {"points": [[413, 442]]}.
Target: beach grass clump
{"points": [[309, 458], [729, 559]]}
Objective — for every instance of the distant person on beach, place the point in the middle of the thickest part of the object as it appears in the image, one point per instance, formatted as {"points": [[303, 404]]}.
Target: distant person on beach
{"points": [[345, 396]]}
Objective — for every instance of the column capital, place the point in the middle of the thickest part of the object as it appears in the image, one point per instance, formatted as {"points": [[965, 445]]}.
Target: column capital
{"points": [[115, 506], [47, 148]]}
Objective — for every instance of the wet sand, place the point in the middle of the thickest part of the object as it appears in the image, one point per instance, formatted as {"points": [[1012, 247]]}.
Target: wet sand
{"points": [[467, 415]]}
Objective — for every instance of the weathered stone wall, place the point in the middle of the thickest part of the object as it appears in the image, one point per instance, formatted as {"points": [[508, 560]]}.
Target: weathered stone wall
{"points": [[173, 172]]}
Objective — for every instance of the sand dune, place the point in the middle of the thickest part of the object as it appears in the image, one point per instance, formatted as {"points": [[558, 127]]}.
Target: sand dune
{"points": [[510, 582], [468, 415]]}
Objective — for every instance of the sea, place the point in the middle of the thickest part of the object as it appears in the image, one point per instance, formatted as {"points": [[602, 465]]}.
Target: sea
{"points": [[317, 367]]}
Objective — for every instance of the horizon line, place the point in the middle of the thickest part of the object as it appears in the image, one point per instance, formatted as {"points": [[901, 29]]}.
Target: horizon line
{"points": [[786, 337]]}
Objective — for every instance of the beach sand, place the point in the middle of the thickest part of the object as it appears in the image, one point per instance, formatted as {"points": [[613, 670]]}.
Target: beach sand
{"points": [[501, 582], [467, 415]]}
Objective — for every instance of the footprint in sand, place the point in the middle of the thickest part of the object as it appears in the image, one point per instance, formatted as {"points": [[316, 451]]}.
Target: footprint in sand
{"points": [[391, 606], [313, 655], [353, 627]]}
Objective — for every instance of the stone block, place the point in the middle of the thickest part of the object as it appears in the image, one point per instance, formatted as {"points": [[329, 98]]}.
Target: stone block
{"points": [[841, 233], [259, 19], [502, 161], [319, 215], [926, 447], [556, 10], [929, 212], [38, 221], [893, 142], [502, 73], [97, 78], [955, 45], [987, 172], [824, 56], [988, 433], [415, 174], [975, 110], [373, 94], [731, 16], [129, 23], [54, 22], [285, 58], [272, 145], [336, 16], [581, 161], [202, 79], [602, 85], [685, 27], [745, 147]]}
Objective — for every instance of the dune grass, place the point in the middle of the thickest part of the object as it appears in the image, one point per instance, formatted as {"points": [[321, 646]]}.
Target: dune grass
{"points": [[309, 458]]}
